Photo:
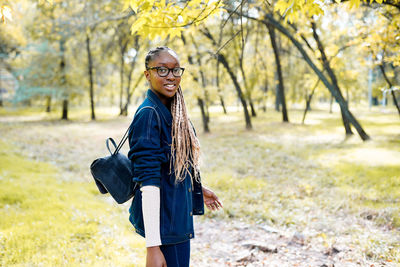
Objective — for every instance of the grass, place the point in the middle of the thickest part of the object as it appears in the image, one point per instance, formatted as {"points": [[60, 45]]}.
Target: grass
{"points": [[47, 222], [305, 178], [297, 176]]}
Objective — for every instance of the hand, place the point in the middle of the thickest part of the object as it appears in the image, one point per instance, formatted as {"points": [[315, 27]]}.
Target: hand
{"points": [[155, 257], [211, 200]]}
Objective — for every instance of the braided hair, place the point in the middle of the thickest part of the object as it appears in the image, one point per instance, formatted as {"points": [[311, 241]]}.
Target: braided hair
{"points": [[185, 148]]}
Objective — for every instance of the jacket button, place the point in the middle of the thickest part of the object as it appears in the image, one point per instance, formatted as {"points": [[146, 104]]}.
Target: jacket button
{"points": [[190, 189], [191, 213], [190, 235]]}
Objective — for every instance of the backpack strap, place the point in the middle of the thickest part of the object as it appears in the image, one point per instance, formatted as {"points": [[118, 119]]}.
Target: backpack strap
{"points": [[125, 137]]}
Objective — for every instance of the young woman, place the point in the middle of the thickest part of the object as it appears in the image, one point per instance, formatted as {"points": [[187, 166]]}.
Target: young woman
{"points": [[165, 151]]}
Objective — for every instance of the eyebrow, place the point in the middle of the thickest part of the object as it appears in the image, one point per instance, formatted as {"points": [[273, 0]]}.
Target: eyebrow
{"points": [[167, 63]]}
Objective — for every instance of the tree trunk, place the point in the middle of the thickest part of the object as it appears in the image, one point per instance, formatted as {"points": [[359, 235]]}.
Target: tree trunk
{"points": [[64, 115], [281, 91], [203, 82], [48, 103], [277, 94], [332, 75], [124, 111], [221, 99], [331, 104], [346, 123], [128, 101], [269, 20], [395, 101], [121, 73], [308, 101], [121, 78], [64, 109], [265, 95], [224, 62], [221, 58], [248, 91], [90, 71], [382, 68], [203, 115], [206, 100], [253, 111], [1, 93]]}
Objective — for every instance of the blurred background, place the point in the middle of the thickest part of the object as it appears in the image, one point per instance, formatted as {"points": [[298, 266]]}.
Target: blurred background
{"points": [[296, 105]]}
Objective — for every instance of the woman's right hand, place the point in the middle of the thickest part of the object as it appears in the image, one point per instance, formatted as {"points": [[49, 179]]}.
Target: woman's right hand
{"points": [[155, 257]]}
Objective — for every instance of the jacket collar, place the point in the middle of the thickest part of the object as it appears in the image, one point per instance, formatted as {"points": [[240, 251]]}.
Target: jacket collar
{"points": [[164, 110]]}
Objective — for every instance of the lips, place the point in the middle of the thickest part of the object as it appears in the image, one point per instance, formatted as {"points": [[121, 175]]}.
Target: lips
{"points": [[170, 86]]}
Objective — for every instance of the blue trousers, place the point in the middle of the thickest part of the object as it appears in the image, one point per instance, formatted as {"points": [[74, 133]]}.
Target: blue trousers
{"points": [[177, 255]]}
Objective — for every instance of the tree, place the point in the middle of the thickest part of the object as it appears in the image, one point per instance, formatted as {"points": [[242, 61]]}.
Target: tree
{"points": [[268, 20]]}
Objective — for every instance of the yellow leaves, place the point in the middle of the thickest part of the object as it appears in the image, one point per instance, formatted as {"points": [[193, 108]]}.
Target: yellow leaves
{"points": [[135, 5], [42, 2], [148, 5], [290, 9], [174, 33], [194, 3], [138, 24], [281, 6], [157, 18], [356, 3], [5, 13]]}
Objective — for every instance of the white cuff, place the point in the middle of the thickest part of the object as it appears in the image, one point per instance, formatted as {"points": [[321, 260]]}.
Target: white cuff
{"points": [[151, 214]]}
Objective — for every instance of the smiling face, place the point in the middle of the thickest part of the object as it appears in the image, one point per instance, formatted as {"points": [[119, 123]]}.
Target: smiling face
{"points": [[164, 87]]}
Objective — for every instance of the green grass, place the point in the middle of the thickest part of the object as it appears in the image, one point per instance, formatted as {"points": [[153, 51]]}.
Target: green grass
{"points": [[293, 176], [74, 113], [290, 174], [376, 188], [47, 222]]}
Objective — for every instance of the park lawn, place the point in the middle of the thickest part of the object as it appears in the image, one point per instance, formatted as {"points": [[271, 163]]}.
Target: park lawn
{"points": [[74, 113], [45, 221], [305, 178], [275, 153], [295, 175]]}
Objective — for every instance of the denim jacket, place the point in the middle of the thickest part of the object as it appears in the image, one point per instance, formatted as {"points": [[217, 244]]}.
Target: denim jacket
{"points": [[150, 153]]}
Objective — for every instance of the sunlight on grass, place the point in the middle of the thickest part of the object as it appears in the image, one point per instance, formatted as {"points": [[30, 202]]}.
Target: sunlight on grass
{"points": [[291, 174], [306, 178], [50, 223], [374, 187]]}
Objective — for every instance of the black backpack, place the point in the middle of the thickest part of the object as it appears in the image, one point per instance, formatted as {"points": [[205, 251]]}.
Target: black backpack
{"points": [[113, 174]]}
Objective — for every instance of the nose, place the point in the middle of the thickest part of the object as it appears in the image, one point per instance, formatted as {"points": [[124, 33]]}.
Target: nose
{"points": [[170, 76]]}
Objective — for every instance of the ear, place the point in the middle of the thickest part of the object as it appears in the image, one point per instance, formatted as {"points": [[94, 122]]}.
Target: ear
{"points": [[147, 75]]}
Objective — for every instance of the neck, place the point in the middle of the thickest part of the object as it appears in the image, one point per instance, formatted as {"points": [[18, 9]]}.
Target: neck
{"points": [[165, 100]]}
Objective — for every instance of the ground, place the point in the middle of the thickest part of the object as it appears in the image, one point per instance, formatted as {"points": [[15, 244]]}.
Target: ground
{"points": [[293, 194]]}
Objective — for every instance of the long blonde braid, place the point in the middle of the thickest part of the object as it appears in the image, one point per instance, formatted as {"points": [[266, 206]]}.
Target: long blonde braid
{"points": [[185, 148], [185, 145]]}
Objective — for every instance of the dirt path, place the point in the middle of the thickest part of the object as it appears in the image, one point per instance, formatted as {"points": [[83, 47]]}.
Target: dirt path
{"points": [[218, 242], [234, 243]]}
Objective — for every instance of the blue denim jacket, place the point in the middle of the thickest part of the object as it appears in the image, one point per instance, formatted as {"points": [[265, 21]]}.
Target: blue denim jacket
{"points": [[150, 153]]}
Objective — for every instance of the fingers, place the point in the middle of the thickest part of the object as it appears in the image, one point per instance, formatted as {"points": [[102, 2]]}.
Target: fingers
{"points": [[219, 203], [214, 205], [211, 200]]}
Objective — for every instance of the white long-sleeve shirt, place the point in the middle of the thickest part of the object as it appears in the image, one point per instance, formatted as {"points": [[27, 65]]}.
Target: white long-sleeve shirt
{"points": [[151, 214]]}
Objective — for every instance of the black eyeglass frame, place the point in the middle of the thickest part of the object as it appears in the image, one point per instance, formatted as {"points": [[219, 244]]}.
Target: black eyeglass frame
{"points": [[169, 70]]}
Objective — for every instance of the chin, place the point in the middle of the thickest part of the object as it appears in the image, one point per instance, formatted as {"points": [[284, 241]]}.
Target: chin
{"points": [[169, 92]]}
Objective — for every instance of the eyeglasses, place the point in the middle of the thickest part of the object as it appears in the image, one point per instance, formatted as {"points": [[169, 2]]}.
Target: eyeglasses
{"points": [[164, 71]]}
